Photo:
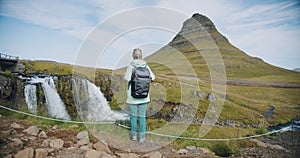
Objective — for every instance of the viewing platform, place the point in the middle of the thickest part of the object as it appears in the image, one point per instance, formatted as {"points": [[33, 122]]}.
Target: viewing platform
{"points": [[8, 57], [10, 63]]}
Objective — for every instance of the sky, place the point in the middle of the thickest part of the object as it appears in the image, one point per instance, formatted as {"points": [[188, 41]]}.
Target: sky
{"points": [[101, 33]]}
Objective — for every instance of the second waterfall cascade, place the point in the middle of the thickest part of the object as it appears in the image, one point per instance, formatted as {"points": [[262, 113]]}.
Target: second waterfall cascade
{"points": [[91, 103], [54, 104]]}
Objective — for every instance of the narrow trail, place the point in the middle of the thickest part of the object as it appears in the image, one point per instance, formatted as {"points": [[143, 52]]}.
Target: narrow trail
{"points": [[238, 82]]}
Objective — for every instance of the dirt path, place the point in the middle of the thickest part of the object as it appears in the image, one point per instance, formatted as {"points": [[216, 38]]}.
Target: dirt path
{"points": [[239, 82]]}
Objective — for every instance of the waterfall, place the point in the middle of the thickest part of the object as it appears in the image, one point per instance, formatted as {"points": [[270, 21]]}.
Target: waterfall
{"points": [[30, 97], [50, 82], [55, 106], [91, 103]]}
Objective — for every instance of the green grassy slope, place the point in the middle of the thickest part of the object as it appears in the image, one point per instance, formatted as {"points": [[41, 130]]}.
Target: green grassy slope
{"points": [[200, 43]]}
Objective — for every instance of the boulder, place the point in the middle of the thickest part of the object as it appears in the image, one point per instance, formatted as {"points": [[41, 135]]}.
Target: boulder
{"points": [[16, 143], [190, 148], [230, 123], [259, 143], [99, 146], [200, 94], [56, 143], [277, 147], [53, 143], [32, 138], [68, 144], [46, 143], [42, 135], [106, 155], [83, 134], [204, 150], [91, 153], [153, 154], [84, 147], [26, 153], [182, 151], [212, 97], [16, 126], [6, 133], [41, 152], [32, 130], [83, 141], [71, 153], [127, 155]]}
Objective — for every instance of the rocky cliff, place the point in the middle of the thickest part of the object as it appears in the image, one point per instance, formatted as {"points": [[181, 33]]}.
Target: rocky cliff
{"points": [[12, 92]]}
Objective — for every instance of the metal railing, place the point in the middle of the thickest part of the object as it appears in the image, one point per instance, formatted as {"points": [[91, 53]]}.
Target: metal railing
{"points": [[9, 57]]}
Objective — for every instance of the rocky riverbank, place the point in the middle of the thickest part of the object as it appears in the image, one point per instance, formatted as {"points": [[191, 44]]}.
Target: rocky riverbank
{"points": [[21, 139]]}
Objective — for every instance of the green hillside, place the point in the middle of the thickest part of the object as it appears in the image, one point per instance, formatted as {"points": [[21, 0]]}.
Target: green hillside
{"points": [[200, 43]]}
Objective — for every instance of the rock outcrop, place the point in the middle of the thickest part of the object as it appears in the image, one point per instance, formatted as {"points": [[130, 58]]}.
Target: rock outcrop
{"points": [[11, 91]]}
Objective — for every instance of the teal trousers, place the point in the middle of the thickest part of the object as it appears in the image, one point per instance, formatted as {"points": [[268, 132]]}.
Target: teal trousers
{"points": [[138, 114]]}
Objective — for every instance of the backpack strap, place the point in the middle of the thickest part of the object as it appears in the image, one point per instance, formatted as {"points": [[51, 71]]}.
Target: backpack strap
{"points": [[129, 82]]}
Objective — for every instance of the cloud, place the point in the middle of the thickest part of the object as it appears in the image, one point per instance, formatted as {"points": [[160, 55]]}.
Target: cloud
{"points": [[70, 18], [264, 16], [259, 28], [137, 27], [269, 30], [75, 18]]}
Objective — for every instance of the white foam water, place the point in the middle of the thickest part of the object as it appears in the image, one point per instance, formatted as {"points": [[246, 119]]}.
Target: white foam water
{"points": [[91, 103], [54, 104], [30, 97]]}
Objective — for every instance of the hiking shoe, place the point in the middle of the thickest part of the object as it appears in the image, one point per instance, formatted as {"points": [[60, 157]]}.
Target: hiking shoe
{"points": [[133, 137], [142, 140]]}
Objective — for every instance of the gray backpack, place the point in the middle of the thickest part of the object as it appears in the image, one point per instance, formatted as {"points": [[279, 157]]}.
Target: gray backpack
{"points": [[140, 82]]}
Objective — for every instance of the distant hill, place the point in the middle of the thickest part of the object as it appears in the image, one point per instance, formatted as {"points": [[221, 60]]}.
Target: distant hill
{"points": [[297, 69], [199, 36]]}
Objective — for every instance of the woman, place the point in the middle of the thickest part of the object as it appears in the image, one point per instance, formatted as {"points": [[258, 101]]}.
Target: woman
{"points": [[137, 106]]}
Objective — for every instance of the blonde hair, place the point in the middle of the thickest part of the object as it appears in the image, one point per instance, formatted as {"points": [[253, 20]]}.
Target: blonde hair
{"points": [[137, 53]]}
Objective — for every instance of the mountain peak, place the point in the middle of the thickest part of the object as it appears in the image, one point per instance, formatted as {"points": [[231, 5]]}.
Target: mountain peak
{"points": [[198, 28], [203, 20], [199, 22], [198, 36]]}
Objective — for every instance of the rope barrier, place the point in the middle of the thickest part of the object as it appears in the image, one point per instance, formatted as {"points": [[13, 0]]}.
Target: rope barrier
{"points": [[53, 119], [152, 133], [212, 139], [205, 139]]}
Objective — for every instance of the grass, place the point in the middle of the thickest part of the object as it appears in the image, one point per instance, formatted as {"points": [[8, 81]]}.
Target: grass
{"points": [[292, 77], [243, 104], [55, 68], [6, 74], [43, 123], [220, 147], [285, 100]]}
